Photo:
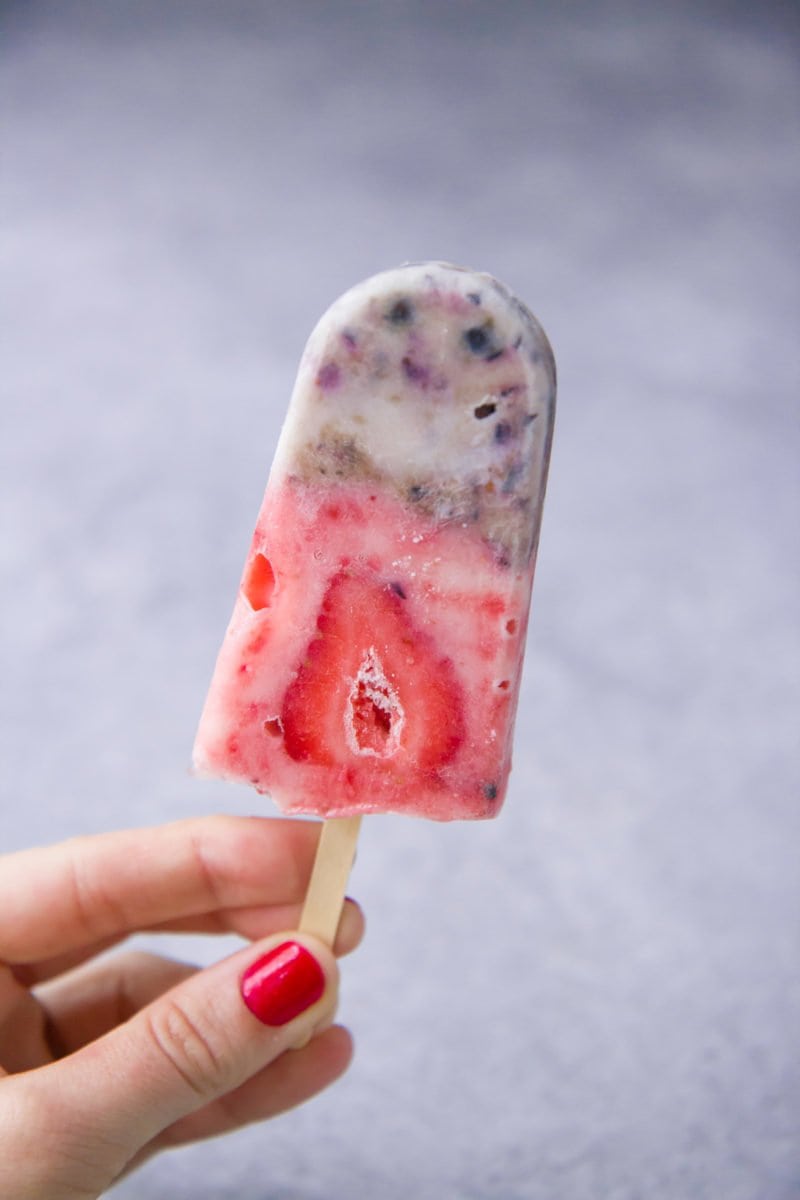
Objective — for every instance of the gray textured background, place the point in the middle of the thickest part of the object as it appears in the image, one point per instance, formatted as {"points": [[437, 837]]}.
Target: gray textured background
{"points": [[597, 996]]}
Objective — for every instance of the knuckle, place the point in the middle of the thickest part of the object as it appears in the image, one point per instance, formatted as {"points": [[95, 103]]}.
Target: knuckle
{"points": [[190, 1048], [94, 907], [203, 867]]}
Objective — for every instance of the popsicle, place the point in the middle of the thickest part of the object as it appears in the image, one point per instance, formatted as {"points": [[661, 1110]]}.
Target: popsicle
{"points": [[373, 659]]}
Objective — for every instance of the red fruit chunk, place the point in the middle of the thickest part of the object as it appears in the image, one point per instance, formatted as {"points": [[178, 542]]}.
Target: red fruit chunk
{"points": [[259, 582], [372, 687]]}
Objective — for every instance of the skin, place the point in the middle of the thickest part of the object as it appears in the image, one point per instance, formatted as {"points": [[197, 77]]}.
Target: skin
{"points": [[106, 1060]]}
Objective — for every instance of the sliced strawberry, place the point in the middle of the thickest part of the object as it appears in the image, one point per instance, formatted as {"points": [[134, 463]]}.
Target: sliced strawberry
{"points": [[372, 690]]}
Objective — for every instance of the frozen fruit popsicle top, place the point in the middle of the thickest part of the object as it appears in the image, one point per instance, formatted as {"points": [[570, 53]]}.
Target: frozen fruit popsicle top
{"points": [[436, 383], [373, 658]]}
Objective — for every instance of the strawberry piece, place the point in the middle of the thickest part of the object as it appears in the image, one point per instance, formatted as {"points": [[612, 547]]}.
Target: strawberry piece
{"points": [[372, 691], [258, 584]]}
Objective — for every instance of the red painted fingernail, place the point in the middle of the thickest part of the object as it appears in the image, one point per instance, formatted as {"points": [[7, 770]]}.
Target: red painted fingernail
{"points": [[282, 984]]}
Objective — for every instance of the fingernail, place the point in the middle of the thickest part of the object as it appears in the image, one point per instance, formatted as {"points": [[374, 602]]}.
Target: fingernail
{"points": [[282, 984]]}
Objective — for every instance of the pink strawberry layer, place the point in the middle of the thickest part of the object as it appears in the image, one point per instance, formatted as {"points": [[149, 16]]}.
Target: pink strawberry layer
{"points": [[440, 640]]}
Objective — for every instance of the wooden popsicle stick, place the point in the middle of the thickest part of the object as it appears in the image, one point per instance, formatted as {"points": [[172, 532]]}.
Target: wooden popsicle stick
{"points": [[326, 889]]}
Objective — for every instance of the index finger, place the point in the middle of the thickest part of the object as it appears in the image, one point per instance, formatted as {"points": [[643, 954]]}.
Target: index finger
{"points": [[87, 890]]}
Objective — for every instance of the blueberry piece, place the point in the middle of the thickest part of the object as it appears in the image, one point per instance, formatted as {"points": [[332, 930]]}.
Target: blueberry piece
{"points": [[474, 297], [480, 339], [477, 339], [502, 431], [485, 410], [512, 479], [401, 313], [398, 589], [490, 791]]}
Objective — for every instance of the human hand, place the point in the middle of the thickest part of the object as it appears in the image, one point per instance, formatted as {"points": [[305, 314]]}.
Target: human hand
{"points": [[105, 1061]]}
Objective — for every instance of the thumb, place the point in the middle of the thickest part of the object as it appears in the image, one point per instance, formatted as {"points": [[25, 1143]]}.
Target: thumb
{"points": [[197, 1042]]}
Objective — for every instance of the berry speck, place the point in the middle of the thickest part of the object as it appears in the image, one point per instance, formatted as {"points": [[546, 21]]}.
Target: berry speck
{"points": [[481, 341], [477, 339], [401, 313], [485, 410], [416, 373], [328, 376]]}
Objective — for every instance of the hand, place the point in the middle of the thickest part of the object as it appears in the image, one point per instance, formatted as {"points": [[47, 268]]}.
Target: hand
{"points": [[104, 1061]]}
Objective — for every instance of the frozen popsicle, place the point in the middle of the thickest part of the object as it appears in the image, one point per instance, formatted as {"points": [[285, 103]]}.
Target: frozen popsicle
{"points": [[372, 662]]}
